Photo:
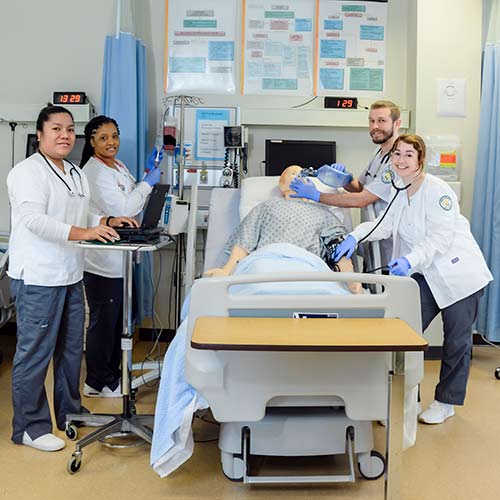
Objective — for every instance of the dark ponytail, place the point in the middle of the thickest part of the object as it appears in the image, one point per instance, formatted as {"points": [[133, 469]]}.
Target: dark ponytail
{"points": [[90, 129]]}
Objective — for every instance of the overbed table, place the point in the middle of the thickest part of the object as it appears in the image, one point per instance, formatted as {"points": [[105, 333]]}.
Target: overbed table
{"points": [[380, 335]]}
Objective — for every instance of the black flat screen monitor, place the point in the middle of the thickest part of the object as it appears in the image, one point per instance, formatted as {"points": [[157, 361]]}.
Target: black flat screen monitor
{"points": [[281, 153], [74, 157]]}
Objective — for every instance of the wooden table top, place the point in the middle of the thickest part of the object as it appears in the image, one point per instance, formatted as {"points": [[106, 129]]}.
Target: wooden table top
{"points": [[306, 334]]}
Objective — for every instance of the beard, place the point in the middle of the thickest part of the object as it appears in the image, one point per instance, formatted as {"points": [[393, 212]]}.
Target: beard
{"points": [[386, 135]]}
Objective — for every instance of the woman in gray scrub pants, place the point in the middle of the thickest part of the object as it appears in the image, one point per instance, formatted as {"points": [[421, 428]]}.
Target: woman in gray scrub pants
{"points": [[49, 200]]}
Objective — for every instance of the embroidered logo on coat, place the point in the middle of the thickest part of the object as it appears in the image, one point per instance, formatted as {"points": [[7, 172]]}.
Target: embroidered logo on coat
{"points": [[387, 176], [445, 202]]}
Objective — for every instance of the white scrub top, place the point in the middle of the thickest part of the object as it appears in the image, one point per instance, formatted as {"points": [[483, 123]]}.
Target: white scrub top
{"points": [[376, 179], [112, 192], [436, 239], [43, 212]]}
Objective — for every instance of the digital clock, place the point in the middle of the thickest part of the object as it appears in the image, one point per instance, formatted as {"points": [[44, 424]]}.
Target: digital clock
{"points": [[69, 98], [341, 102]]}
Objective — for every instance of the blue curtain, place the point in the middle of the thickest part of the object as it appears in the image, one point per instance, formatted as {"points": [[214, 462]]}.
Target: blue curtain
{"points": [[486, 207], [124, 97]]}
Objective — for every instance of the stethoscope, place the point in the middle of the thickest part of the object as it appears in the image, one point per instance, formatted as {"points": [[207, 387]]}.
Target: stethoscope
{"points": [[73, 169], [385, 159], [123, 170], [398, 190]]}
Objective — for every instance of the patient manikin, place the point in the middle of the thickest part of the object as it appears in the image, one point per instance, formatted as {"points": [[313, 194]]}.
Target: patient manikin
{"points": [[283, 220]]}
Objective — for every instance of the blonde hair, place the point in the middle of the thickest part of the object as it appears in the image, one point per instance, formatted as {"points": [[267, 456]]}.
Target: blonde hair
{"points": [[393, 108]]}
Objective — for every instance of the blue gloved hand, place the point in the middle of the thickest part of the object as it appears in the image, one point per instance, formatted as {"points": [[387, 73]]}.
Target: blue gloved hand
{"points": [[334, 175], [339, 166], [153, 176], [151, 162], [399, 267], [304, 188], [346, 248]]}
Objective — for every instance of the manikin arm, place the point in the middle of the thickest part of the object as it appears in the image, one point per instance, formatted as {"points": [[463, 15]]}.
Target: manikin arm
{"points": [[237, 253], [345, 266]]}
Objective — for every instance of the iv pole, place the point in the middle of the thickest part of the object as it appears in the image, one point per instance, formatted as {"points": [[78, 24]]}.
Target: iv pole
{"points": [[180, 161]]}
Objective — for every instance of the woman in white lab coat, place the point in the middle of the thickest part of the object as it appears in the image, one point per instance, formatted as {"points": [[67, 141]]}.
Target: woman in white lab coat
{"points": [[49, 200], [432, 242], [113, 189]]}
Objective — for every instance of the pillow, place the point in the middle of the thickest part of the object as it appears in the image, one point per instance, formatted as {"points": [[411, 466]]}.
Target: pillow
{"points": [[255, 190]]}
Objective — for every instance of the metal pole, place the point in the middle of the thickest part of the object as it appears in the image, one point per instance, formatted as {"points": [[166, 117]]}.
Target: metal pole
{"points": [[181, 162], [127, 340]]}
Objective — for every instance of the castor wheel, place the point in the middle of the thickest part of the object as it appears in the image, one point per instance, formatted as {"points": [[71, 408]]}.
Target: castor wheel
{"points": [[372, 466], [497, 373], [75, 463], [71, 432]]}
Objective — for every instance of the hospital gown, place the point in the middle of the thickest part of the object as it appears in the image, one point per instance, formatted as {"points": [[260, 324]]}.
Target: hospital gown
{"points": [[279, 220]]}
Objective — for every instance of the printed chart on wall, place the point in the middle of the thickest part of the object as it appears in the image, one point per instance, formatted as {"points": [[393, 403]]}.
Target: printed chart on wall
{"points": [[278, 47], [200, 46], [351, 47]]}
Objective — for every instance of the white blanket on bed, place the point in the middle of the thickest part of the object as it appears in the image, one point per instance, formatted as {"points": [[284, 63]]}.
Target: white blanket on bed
{"points": [[177, 400]]}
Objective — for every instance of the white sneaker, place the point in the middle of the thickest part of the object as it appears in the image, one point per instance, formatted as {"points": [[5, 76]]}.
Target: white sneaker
{"points": [[106, 392], [437, 413], [47, 442]]}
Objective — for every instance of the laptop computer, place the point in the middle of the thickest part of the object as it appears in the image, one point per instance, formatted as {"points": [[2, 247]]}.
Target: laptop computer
{"points": [[148, 231]]}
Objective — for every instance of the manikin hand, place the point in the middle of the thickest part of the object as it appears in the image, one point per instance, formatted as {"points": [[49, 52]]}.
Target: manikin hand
{"points": [[216, 271]]}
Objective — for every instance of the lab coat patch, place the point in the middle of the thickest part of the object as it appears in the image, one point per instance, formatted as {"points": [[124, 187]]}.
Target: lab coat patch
{"points": [[445, 203], [387, 176]]}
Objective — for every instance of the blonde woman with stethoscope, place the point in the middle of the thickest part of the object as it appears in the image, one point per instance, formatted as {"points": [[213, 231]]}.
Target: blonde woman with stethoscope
{"points": [[113, 189], [49, 200], [433, 243]]}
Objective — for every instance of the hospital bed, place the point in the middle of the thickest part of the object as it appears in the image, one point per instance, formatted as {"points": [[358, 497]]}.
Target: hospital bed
{"points": [[296, 403]]}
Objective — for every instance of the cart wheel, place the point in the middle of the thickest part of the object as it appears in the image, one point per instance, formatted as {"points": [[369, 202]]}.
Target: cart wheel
{"points": [[71, 432], [74, 464], [372, 466], [497, 373]]}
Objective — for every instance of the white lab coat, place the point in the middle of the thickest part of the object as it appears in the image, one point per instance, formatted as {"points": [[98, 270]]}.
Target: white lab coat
{"points": [[42, 214], [436, 239], [376, 179], [112, 192]]}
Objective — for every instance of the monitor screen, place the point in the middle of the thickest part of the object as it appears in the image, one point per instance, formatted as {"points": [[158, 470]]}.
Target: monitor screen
{"points": [[74, 157], [281, 153]]}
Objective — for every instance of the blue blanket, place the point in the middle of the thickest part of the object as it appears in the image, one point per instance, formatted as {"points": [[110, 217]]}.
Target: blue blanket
{"points": [[177, 400]]}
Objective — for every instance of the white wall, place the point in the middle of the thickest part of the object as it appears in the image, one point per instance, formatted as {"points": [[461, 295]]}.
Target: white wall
{"points": [[449, 34]]}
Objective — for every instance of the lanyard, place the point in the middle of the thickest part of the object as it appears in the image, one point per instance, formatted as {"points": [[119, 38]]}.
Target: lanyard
{"points": [[73, 169]]}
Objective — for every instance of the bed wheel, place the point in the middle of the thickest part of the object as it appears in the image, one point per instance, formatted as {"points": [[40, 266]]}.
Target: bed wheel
{"points": [[497, 373], [371, 466]]}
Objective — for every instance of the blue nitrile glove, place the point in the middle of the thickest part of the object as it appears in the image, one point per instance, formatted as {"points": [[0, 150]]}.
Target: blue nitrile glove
{"points": [[152, 160], [304, 188], [346, 248], [339, 166], [334, 175], [399, 267], [153, 176]]}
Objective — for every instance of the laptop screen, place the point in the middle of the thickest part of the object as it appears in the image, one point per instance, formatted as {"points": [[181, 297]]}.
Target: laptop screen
{"points": [[154, 207]]}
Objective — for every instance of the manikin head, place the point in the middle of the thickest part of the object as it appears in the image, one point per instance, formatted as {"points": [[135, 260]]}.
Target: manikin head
{"points": [[286, 178]]}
